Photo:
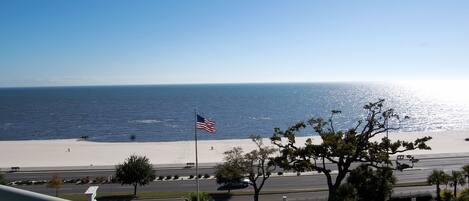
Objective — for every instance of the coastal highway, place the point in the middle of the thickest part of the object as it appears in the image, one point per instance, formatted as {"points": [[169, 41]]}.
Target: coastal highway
{"points": [[440, 161], [275, 184]]}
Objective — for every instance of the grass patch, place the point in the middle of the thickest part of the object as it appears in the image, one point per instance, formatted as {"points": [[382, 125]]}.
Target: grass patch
{"points": [[124, 196], [411, 184]]}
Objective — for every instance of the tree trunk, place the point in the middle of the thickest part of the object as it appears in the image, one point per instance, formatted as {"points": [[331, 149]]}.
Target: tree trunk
{"points": [[438, 197], [135, 189], [455, 189], [333, 188], [332, 193], [56, 192], [256, 195]]}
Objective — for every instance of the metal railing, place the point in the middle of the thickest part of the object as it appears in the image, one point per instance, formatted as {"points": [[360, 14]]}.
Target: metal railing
{"points": [[8, 193]]}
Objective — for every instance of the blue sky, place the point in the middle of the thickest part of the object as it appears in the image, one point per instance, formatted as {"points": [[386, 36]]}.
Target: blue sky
{"points": [[52, 43]]}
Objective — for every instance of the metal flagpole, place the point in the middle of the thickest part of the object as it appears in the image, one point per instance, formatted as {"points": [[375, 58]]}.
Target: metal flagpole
{"points": [[196, 155]]}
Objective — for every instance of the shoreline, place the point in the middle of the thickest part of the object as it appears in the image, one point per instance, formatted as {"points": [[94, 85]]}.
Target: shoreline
{"points": [[92, 154]]}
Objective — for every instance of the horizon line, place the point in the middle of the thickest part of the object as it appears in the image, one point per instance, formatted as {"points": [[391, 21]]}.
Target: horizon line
{"points": [[227, 83], [181, 84]]}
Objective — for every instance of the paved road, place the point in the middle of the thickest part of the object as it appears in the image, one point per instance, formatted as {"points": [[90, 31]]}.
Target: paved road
{"points": [[279, 183]]}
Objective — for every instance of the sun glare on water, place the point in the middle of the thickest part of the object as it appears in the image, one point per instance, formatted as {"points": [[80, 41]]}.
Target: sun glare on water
{"points": [[450, 91]]}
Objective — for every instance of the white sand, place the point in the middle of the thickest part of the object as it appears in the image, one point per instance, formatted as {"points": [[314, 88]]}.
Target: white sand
{"points": [[54, 153]]}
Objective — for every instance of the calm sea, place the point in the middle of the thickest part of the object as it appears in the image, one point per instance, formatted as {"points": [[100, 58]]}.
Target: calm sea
{"points": [[166, 112]]}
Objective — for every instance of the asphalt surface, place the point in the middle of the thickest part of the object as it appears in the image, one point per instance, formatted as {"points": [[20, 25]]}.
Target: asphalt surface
{"points": [[275, 184]]}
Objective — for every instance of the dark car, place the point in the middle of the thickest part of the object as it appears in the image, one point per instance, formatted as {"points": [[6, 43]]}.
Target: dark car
{"points": [[235, 185]]}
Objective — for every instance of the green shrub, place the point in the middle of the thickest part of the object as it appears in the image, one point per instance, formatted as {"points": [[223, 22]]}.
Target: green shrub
{"points": [[346, 192], [464, 195], [100, 180], [2, 180], [206, 176], [446, 195], [168, 177], [176, 177], [160, 177], [191, 176], [279, 173]]}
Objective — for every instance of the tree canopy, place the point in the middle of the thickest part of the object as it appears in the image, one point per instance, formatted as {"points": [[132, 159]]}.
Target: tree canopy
{"points": [[231, 171], [343, 147], [256, 165], [136, 170], [372, 184], [465, 170], [456, 178]]}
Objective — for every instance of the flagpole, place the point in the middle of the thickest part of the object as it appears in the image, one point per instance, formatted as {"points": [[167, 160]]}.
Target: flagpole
{"points": [[196, 155]]}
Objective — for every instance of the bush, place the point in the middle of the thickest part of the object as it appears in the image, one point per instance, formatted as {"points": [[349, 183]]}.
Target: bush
{"points": [[446, 194], [2, 180], [160, 177], [100, 180], [40, 182], [346, 192], [206, 176], [168, 177], [464, 195], [85, 180], [176, 177], [279, 173], [202, 197], [191, 176], [200, 176]]}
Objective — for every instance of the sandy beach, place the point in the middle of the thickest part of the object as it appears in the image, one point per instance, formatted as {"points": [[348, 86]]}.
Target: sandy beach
{"points": [[72, 152]]}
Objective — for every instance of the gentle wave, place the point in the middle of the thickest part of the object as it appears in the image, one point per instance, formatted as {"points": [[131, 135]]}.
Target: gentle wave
{"points": [[146, 121]]}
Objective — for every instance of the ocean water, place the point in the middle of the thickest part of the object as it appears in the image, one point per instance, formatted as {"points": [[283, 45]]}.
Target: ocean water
{"points": [[166, 112]]}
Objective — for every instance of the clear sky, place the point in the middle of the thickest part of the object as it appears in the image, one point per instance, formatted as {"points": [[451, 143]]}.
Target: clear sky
{"points": [[50, 43]]}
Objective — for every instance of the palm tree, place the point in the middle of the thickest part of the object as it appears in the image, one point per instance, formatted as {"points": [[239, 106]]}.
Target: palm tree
{"points": [[456, 178], [465, 169], [436, 178]]}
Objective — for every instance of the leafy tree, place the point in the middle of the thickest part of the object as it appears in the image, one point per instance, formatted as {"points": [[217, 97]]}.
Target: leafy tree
{"points": [[57, 183], [343, 147], [372, 184], [258, 165], [465, 169], [456, 178], [438, 177], [136, 170], [231, 170]]}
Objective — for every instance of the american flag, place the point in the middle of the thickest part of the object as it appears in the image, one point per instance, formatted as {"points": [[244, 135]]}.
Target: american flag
{"points": [[207, 125]]}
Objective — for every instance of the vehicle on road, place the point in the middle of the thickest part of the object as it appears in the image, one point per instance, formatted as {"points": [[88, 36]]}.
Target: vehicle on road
{"points": [[235, 185]]}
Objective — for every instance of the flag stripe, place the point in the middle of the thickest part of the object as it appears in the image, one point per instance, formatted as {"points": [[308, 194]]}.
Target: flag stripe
{"points": [[205, 124]]}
